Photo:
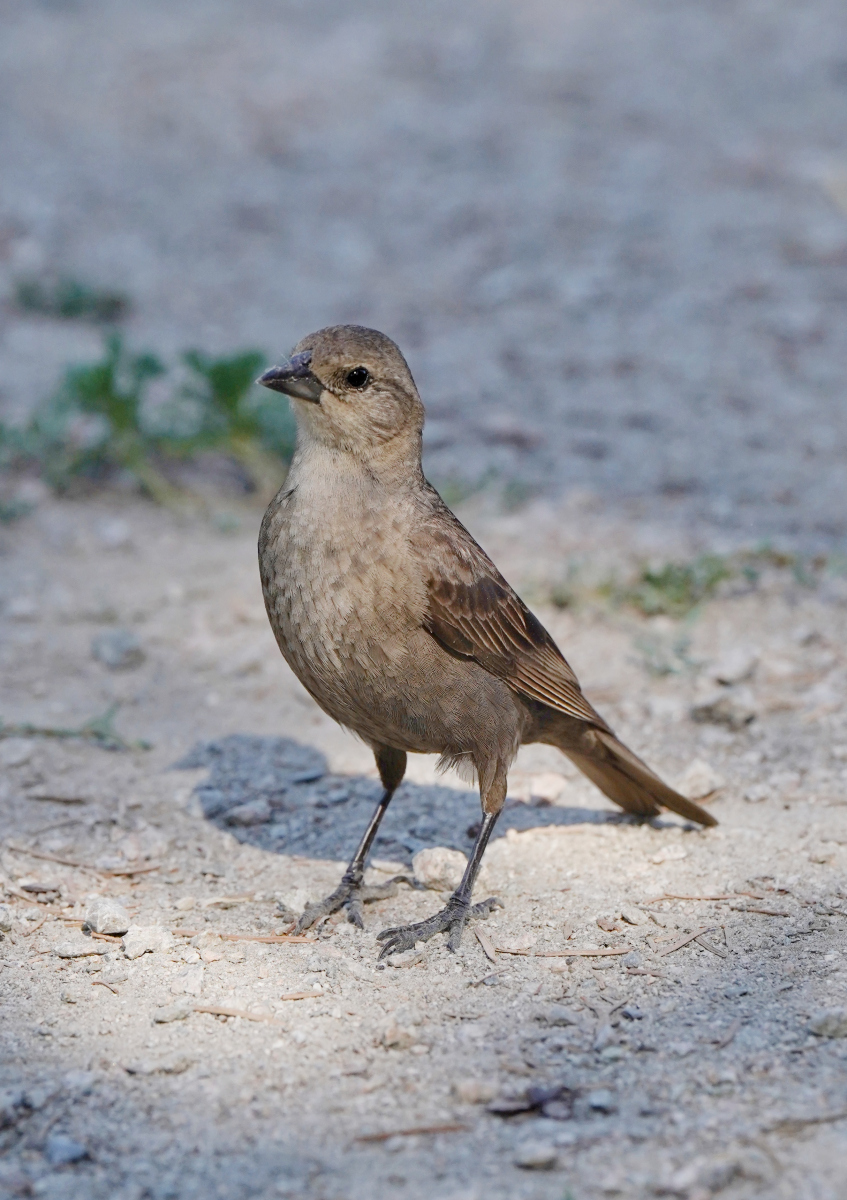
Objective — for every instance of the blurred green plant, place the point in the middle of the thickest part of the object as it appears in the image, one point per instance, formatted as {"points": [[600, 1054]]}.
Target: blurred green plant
{"points": [[675, 588], [106, 417], [70, 300]]}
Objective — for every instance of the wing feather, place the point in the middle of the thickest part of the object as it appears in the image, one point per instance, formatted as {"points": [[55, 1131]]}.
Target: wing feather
{"points": [[473, 613]]}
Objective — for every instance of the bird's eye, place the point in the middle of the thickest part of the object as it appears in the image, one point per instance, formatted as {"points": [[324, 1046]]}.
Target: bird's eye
{"points": [[359, 377]]}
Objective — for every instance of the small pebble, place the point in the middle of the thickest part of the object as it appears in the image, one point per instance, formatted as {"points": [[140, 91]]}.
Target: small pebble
{"points": [[105, 915], [829, 1023], [146, 939], [118, 649], [59, 1150], [171, 1012], [602, 1101], [254, 812], [439, 868], [536, 1156]]}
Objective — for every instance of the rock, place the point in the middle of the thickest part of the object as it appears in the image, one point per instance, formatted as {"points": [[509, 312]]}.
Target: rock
{"points": [[15, 752], [172, 1012], [5, 919], [733, 707], [185, 904], [189, 981], [757, 793], [712, 1175], [408, 958], [118, 649], [671, 853], [634, 916], [81, 947], [105, 915], [557, 1014], [59, 1150], [399, 1037], [735, 990], [829, 1023], [146, 939], [735, 666], [699, 780], [439, 868], [254, 812], [474, 1091], [536, 1156], [632, 1012], [633, 959], [602, 1101]]}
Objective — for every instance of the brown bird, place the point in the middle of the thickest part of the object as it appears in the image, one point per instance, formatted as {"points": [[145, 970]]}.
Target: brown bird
{"points": [[399, 624]]}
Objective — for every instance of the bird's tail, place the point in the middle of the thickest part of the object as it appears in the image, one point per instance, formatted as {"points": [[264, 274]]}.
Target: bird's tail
{"points": [[628, 781]]}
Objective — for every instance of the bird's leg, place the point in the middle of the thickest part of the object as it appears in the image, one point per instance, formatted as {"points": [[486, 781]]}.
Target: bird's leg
{"points": [[457, 910], [351, 892]]}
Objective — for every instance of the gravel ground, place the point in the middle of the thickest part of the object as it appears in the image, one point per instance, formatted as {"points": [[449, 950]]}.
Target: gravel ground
{"points": [[612, 240], [685, 1072], [610, 237]]}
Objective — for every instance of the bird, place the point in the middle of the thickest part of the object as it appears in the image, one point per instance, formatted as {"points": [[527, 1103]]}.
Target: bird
{"points": [[400, 625]]}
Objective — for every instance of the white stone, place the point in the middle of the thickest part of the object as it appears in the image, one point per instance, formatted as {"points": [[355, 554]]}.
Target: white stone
{"points": [[439, 868], [830, 1023], [254, 812], [536, 1156], [105, 915], [699, 780], [146, 939], [736, 666]]}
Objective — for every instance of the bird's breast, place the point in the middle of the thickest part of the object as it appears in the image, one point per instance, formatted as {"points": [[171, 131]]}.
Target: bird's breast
{"points": [[343, 592]]}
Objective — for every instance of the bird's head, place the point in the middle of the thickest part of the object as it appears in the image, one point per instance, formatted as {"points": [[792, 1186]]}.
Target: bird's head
{"points": [[352, 391]]}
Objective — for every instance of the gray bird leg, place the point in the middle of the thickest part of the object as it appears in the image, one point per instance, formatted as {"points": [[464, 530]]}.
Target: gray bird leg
{"points": [[351, 892], [457, 910]]}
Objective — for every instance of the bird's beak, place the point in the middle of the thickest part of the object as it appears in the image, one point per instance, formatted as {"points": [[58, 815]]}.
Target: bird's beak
{"points": [[295, 378]]}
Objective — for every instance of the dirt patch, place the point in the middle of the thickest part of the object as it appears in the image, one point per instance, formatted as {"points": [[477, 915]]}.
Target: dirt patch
{"points": [[683, 1065]]}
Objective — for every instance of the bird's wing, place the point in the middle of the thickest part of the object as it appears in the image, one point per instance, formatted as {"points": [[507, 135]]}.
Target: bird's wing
{"points": [[473, 613]]}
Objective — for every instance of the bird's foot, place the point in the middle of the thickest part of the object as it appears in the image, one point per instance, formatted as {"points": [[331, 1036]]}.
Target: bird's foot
{"points": [[453, 917], [351, 894]]}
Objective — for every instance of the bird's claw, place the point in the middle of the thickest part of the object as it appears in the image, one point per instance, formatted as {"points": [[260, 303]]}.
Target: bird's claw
{"points": [[352, 894], [452, 917]]}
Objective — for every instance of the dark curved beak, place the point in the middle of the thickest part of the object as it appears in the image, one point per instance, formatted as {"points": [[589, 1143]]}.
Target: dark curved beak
{"points": [[294, 377]]}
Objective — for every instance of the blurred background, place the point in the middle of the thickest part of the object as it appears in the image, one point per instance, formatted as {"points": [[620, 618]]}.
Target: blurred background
{"points": [[610, 237]]}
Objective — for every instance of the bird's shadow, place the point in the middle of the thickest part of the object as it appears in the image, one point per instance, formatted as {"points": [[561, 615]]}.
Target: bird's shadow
{"points": [[280, 795]]}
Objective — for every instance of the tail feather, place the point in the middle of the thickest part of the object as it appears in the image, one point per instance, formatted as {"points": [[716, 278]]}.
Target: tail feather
{"points": [[624, 778]]}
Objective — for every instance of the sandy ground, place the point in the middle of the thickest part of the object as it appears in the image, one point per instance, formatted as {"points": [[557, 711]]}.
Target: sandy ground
{"points": [[610, 237], [683, 1072]]}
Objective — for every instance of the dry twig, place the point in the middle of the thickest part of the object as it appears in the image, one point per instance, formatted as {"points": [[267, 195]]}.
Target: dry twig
{"points": [[246, 937], [683, 941], [567, 953], [221, 1010], [416, 1131], [487, 945]]}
